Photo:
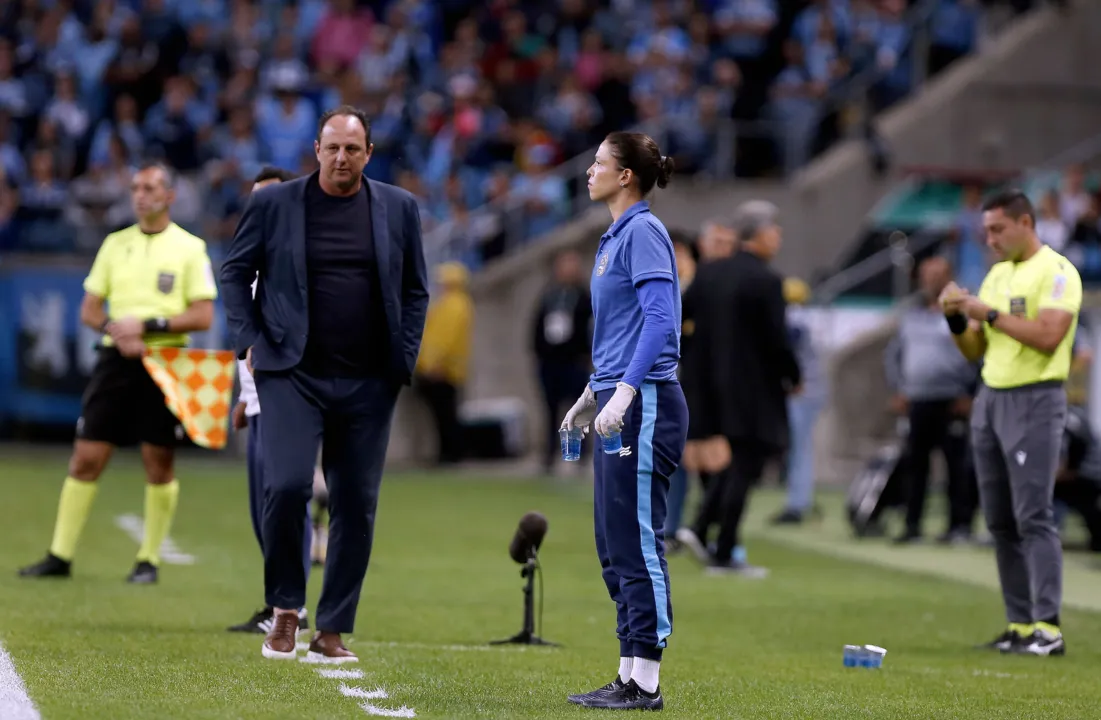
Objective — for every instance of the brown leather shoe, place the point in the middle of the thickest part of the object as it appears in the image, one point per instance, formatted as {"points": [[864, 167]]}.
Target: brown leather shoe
{"points": [[328, 648], [280, 642]]}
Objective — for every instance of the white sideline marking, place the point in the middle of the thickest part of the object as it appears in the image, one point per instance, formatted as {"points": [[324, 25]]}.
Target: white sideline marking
{"points": [[402, 712], [377, 694], [15, 704], [340, 673], [449, 648], [134, 526], [301, 646]]}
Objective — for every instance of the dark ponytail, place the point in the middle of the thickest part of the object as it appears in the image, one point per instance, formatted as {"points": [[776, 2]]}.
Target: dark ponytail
{"points": [[639, 153], [665, 171]]}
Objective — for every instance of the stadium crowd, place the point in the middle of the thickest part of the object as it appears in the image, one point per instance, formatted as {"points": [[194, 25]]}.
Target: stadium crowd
{"points": [[470, 102]]}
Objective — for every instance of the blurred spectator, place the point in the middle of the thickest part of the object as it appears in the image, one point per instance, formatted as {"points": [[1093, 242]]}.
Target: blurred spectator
{"points": [[1074, 199], [42, 201], [954, 32], [445, 352], [967, 250], [341, 34], [933, 385], [562, 343], [1050, 227], [804, 407]]}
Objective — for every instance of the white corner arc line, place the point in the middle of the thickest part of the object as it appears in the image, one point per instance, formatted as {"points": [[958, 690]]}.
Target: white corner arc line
{"points": [[402, 712], [171, 554], [15, 703], [376, 694], [340, 673]]}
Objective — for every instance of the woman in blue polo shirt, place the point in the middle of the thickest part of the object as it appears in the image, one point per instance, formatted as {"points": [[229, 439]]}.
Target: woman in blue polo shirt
{"points": [[639, 410]]}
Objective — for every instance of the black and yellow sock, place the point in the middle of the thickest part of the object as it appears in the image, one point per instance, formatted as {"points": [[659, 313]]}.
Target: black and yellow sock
{"points": [[72, 512], [160, 509]]}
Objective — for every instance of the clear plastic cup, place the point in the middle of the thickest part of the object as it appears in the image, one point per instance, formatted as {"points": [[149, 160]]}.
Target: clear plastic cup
{"points": [[612, 444], [571, 443]]}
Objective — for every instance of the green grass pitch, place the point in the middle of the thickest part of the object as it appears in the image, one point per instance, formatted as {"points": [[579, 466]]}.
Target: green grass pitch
{"points": [[441, 585]]}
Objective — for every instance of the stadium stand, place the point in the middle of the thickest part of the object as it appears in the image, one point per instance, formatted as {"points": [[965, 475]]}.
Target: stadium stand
{"points": [[473, 104]]}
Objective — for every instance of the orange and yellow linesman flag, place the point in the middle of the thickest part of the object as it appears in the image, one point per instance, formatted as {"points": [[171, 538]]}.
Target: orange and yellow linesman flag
{"points": [[197, 387]]}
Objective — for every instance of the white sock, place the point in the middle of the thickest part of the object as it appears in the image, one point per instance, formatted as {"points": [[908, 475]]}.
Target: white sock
{"points": [[645, 673], [625, 664]]}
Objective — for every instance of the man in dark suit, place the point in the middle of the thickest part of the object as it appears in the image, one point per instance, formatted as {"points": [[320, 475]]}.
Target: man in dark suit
{"points": [[333, 333], [744, 368]]}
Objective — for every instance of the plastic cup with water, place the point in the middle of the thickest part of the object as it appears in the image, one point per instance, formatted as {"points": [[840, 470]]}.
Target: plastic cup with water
{"points": [[612, 443], [571, 443]]}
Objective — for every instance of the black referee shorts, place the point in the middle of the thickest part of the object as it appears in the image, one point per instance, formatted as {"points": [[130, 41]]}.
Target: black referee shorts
{"points": [[123, 406]]}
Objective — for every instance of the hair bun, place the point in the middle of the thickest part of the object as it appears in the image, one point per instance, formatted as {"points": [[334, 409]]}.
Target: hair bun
{"points": [[665, 170]]}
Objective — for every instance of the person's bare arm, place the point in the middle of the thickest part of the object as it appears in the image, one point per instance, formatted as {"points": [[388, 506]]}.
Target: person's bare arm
{"points": [[1043, 333], [972, 341], [93, 311]]}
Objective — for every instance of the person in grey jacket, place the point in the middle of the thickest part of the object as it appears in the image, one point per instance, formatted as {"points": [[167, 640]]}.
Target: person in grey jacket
{"points": [[933, 385]]}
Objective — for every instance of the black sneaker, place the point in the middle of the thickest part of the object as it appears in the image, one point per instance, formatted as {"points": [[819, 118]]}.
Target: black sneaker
{"points": [[788, 517], [584, 698], [50, 566], [144, 573], [909, 537], [629, 697], [1041, 642], [259, 623], [1005, 641]]}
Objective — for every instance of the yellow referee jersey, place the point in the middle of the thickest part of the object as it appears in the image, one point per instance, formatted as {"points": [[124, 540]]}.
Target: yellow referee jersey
{"points": [[148, 276], [1045, 280]]}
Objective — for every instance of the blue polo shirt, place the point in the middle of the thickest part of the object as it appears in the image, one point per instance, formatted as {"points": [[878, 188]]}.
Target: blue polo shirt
{"points": [[635, 249]]}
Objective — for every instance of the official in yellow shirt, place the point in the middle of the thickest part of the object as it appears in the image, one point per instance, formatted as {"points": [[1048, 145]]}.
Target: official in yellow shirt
{"points": [[1022, 327], [444, 356], [150, 285]]}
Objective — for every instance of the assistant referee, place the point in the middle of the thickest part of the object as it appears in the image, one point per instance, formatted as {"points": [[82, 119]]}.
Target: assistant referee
{"points": [[150, 285], [1022, 325]]}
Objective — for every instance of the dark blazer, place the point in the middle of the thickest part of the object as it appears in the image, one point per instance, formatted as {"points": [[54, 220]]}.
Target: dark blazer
{"points": [[271, 240], [741, 365]]}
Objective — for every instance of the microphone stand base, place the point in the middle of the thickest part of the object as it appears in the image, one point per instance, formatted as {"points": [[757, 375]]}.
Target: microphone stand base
{"points": [[524, 638]]}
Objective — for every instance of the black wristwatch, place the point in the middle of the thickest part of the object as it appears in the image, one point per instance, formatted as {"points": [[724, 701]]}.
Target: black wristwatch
{"points": [[155, 325], [991, 317]]}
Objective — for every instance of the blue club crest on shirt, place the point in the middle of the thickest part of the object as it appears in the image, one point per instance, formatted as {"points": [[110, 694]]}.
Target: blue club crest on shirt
{"points": [[602, 265]]}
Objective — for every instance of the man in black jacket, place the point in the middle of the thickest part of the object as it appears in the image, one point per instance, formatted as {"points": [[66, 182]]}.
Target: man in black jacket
{"points": [[562, 343], [744, 368]]}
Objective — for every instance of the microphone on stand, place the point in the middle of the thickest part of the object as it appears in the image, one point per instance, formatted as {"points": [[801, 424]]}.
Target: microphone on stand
{"points": [[529, 536], [524, 549]]}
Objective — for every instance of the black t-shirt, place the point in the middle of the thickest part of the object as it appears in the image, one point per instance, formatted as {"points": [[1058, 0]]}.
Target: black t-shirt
{"points": [[348, 334]]}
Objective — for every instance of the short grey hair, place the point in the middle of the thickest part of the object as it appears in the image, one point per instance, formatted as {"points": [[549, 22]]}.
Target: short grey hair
{"points": [[752, 216]]}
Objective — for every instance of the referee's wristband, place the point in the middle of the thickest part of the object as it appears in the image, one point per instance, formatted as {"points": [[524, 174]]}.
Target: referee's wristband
{"points": [[155, 325], [957, 323]]}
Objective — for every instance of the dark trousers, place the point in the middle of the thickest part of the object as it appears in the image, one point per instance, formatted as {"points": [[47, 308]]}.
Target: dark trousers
{"points": [[933, 426], [350, 418], [256, 492], [563, 383], [629, 495], [442, 399], [727, 494]]}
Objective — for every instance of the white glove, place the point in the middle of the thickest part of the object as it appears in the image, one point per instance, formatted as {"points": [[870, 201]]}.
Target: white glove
{"points": [[581, 414], [610, 419]]}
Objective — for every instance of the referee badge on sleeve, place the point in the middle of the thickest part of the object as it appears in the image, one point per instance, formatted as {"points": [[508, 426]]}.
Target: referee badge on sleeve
{"points": [[1058, 287], [165, 282]]}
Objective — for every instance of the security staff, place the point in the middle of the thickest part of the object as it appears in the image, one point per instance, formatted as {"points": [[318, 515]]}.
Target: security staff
{"points": [[1022, 325], [157, 281]]}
